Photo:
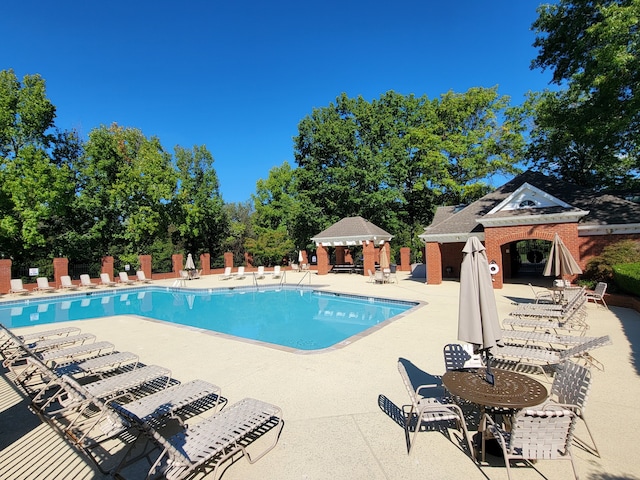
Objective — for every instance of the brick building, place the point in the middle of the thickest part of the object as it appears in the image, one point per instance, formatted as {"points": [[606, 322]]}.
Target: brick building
{"points": [[531, 207]]}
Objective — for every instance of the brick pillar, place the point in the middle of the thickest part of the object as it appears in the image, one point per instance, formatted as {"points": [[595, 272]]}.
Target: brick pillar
{"points": [[107, 266], [145, 264], [433, 262], [347, 257], [178, 262], [323, 259], [305, 257], [405, 259], [369, 252], [60, 268], [5, 275], [494, 254], [340, 255], [228, 259], [248, 259], [205, 263]]}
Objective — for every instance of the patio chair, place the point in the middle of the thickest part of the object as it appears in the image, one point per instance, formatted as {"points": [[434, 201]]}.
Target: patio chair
{"points": [[455, 356], [195, 274], [142, 277], [85, 281], [277, 273], [379, 277], [432, 408], [598, 294], [106, 280], [260, 273], [65, 283], [24, 349], [570, 389], [216, 439], [544, 296], [124, 278], [372, 277], [538, 338], [295, 267], [535, 435], [226, 275], [17, 288], [570, 324], [43, 285]]}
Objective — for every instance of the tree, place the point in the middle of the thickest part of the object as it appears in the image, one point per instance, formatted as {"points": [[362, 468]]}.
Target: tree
{"points": [[587, 131], [240, 229], [199, 216], [37, 187], [126, 185], [269, 246]]}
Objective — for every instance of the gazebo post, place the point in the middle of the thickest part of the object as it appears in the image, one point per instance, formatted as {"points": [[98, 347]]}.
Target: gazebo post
{"points": [[323, 259], [369, 254]]}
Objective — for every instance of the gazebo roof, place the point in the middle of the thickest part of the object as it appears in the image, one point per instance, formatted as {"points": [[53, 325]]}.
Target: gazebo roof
{"points": [[351, 231]]}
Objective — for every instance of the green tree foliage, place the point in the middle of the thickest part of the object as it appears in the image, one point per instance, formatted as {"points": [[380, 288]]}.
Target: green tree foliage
{"points": [[37, 186], [269, 246], [126, 183], [199, 214], [600, 268], [587, 132], [394, 159], [240, 229]]}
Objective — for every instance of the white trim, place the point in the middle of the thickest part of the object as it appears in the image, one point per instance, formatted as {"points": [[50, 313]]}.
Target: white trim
{"points": [[527, 191], [617, 229], [351, 240], [450, 237], [565, 217]]}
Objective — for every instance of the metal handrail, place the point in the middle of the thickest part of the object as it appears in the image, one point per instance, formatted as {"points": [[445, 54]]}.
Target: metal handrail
{"points": [[305, 275]]}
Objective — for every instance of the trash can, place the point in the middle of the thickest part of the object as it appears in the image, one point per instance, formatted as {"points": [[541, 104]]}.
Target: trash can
{"points": [[392, 267]]}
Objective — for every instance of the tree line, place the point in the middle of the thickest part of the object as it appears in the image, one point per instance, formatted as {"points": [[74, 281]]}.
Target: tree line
{"points": [[392, 159]]}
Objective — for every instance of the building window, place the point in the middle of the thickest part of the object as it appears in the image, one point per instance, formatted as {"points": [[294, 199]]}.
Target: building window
{"points": [[526, 204]]}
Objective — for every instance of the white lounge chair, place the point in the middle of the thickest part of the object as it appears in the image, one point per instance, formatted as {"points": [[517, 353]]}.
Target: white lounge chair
{"points": [[17, 288], [142, 277], [106, 280], [226, 275], [66, 283], [85, 281], [43, 285], [124, 278], [240, 274], [277, 272], [217, 439], [260, 273]]}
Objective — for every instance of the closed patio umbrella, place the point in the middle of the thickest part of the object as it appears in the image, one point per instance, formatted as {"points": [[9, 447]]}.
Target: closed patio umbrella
{"points": [[189, 265], [384, 259], [300, 257], [560, 262], [478, 321]]}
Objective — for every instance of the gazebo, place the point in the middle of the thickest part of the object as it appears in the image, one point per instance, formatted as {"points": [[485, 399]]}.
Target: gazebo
{"points": [[349, 232]]}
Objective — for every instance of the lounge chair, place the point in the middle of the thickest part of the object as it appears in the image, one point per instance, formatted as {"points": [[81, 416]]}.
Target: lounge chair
{"points": [[379, 277], [277, 273], [85, 281], [538, 338], [21, 350], [106, 280], [17, 288], [535, 435], [195, 274], [226, 275], [541, 357], [432, 408], [240, 274], [295, 267], [65, 283], [43, 285], [140, 275], [260, 273], [598, 294], [217, 439], [124, 278], [372, 277], [542, 296]]}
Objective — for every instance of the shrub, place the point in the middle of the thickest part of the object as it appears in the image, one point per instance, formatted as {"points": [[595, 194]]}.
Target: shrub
{"points": [[600, 269], [627, 277]]}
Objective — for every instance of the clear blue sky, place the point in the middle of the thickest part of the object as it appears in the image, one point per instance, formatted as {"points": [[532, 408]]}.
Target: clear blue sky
{"points": [[238, 76]]}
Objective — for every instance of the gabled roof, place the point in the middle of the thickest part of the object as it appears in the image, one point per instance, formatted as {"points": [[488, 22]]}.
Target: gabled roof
{"points": [[351, 231], [534, 198]]}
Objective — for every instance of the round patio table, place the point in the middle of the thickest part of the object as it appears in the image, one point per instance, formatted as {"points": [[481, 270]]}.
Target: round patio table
{"points": [[511, 390]]}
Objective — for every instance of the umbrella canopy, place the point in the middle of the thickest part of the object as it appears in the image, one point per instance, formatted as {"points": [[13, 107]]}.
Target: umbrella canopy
{"points": [[189, 265], [478, 321], [560, 262], [384, 258]]}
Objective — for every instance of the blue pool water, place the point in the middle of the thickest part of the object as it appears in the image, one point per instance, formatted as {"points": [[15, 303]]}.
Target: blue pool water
{"points": [[296, 318]]}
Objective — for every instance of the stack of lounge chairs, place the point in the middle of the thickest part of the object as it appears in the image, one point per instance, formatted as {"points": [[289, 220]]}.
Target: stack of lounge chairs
{"points": [[542, 336], [107, 402]]}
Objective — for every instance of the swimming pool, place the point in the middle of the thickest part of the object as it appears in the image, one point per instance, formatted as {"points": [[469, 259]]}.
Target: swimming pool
{"points": [[296, 318]]}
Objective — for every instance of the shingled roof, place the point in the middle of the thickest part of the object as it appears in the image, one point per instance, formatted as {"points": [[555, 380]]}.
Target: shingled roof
{"points": [[566, 202], [351, 231]]}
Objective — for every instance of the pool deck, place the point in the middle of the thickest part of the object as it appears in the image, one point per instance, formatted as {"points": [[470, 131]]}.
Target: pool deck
{"points": [[341, 406]]}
